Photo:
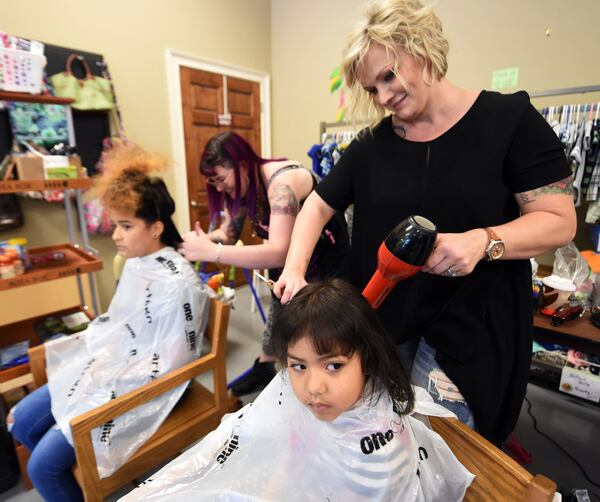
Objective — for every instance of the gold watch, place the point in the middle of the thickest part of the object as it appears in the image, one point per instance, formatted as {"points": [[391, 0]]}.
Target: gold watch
{"points": [[495, 246]]}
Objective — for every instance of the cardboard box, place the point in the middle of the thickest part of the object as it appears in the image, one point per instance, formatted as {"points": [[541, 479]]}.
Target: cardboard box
{"points": [[30, 167]]}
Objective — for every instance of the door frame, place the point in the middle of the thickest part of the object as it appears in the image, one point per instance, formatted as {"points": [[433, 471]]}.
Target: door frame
{"points": [[176, 59]]}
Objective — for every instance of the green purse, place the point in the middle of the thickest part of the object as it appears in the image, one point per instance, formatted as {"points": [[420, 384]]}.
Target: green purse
{"points": [[89, 93]]}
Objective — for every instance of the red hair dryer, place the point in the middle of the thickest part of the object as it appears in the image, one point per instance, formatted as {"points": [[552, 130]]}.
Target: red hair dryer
{"points": [[401, 255]]}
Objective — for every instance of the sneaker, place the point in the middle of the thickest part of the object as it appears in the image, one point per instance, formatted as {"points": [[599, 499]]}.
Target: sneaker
{"points": [[254, 380]]}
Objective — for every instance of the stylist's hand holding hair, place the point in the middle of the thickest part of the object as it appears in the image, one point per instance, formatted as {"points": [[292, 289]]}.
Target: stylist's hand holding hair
{"points": [[486, 169], [309, 224], [197, 245]]}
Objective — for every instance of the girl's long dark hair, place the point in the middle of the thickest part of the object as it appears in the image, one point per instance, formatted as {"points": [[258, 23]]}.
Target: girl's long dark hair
{"points": [[337, 319], [229, 150], [145, 197], [156, 204]]}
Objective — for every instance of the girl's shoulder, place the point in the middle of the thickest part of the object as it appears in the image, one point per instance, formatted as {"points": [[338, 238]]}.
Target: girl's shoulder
{"points": [[170, 264]]}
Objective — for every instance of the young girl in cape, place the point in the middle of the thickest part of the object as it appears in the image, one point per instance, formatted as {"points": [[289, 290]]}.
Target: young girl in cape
{"points": [[154, 324], [339, 423]]}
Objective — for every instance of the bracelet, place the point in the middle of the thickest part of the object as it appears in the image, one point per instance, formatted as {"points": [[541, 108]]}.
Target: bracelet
{"points": [[219, 249]]}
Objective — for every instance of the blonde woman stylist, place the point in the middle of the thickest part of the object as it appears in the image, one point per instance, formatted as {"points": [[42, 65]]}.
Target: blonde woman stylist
{"points": [[487, 170]]}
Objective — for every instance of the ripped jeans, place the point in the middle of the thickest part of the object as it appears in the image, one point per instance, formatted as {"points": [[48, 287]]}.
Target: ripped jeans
{"points": [[418, 358], [52, 457]]}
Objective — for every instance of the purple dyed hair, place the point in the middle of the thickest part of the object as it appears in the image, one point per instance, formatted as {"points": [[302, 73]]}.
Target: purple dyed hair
{"points": [[230, 150]]}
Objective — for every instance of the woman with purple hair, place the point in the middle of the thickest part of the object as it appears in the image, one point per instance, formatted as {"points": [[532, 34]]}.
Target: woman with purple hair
{"points": [[270, 192]]}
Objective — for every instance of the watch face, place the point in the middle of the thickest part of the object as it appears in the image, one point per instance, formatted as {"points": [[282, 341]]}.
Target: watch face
{"points": [[496, 251]]}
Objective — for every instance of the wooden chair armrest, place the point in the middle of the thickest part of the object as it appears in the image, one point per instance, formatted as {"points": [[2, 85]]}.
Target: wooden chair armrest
{"points": [[83, 424], [465, 442], [496, 473], [37, 364], [540, 489]]}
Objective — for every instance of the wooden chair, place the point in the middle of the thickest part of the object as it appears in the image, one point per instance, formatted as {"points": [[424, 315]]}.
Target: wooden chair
{"points": [[498, 477], [198, 413]]}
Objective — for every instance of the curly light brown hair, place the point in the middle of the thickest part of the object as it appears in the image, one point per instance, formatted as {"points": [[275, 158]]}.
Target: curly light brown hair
{"points": [[125, 168], [126, 185]]}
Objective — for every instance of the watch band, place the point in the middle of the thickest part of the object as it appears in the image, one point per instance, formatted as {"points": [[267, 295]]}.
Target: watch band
{"points": [[495, 246], [491, 235]]}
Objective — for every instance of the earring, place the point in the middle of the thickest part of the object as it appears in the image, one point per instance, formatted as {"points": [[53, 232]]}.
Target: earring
{"points": [[154, 236]]}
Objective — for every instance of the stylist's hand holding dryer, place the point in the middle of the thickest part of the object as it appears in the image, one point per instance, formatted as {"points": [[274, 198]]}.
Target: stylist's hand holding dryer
{"points": [[487, 170]]}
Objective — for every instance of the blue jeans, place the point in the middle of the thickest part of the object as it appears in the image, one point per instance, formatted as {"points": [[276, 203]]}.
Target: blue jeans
{"points": [[418, 358], [52, 457]]}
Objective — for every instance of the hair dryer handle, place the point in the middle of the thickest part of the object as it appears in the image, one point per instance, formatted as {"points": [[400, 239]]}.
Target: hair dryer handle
{"points": [[377, 289], [389, 271]]}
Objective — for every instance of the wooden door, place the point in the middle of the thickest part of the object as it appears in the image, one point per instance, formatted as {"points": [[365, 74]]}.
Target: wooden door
{"points": [[203, 103]]}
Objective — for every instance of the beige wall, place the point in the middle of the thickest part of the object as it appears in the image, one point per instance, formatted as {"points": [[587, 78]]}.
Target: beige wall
{"points": [[133, 36], [298, 43], [485, 35]]}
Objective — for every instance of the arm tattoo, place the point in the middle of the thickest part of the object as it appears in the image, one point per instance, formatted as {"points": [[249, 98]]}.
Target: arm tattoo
{"points": [[564, 186], [283, 200]]}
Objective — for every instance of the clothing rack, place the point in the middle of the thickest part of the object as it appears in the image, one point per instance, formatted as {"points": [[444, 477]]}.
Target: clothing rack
{"points": [[585, 108], [565, 90], [576, 125], [323, 126]]}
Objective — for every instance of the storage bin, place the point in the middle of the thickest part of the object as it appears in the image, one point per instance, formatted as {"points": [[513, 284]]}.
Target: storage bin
{"points": [[21, 71]]}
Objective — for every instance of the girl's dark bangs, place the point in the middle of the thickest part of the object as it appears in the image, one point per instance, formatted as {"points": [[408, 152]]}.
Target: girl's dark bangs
{"points": [[330, 338]]}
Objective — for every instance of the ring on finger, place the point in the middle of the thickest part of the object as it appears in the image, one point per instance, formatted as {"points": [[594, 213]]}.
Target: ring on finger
{"points": [[449, 272]]}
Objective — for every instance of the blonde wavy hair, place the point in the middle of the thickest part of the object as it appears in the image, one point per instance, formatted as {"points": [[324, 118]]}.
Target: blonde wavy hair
{"points": [[396, 25], [126, 169]]}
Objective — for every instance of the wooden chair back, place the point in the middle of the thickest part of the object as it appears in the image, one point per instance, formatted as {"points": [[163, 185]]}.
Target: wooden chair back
{"points": [[197, 413], [498, 477]]}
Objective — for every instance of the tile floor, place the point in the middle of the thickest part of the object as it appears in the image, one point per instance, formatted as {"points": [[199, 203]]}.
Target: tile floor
{"points": [[575, 424]]}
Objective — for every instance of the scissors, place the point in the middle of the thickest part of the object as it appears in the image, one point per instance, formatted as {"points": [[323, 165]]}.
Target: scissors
{"points": [[270, 283]]}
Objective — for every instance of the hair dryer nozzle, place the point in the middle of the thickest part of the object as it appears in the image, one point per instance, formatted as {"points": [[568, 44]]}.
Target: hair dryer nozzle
{"points": [[412, 240]]}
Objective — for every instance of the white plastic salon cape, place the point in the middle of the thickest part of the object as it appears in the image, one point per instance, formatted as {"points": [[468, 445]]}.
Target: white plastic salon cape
{"points": [[154, 324], [275, 450]]}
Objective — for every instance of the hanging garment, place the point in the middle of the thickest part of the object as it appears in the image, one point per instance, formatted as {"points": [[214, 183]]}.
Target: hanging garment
{"points": [[154, 324], [577, 164], [274, 449], [592, 158]]}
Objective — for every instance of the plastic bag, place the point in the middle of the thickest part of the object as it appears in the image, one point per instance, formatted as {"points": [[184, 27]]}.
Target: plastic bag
{"points": [[569, 264], [275, 449], [154, 324]]}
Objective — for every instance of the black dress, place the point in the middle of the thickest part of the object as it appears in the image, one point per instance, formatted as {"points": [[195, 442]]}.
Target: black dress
{"points": [[480, 324]]}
